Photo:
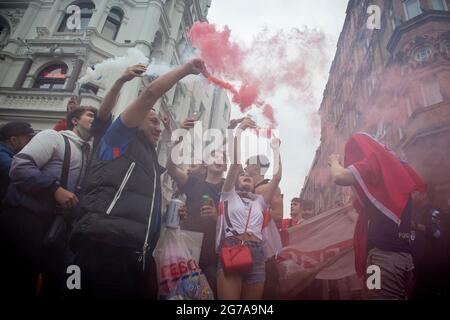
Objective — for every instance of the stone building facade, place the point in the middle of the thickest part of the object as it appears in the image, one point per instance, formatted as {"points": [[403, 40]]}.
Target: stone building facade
{"points": [[394, 83], [41, 58]]}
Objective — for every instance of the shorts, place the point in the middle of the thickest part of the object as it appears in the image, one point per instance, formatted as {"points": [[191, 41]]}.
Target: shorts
{"points": [[396, 274], [258, 272]]}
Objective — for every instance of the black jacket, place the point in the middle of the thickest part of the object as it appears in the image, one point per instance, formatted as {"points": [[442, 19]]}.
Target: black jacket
{"points": [[117, 198]]}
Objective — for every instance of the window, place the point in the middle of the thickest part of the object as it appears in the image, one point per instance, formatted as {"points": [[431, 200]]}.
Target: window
{"points": [[371, 86], [446, 48], [87, 9], [52, 77], [89, 88], [366, 44], [225, 112], [178, 95], [423, 53], [192, 106], [168, 7], [409, 109], [412, 8], [5, 31], [355, 120], [201, 111], [112, 24], [381, 130], [431, 92], [158, 41], [192, 9], [401, 134], [439, 5], [393, 19]]}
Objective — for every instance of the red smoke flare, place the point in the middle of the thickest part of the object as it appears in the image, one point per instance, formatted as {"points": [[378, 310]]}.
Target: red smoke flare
{"points": [[284, 59], [222, 84]]}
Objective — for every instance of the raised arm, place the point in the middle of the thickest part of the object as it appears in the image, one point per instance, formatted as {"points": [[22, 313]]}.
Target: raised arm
{"points": [[235, 166], [136, 112], [110, 100], [272, 186], [178, 175], [276, 205], [340, 175]]}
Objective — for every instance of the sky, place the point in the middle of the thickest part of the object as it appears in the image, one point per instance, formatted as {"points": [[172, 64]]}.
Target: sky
{"points": [[245, 18]]}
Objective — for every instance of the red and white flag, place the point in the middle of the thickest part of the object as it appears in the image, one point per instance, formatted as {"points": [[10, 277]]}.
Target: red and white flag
{"points": [[319, 248]]}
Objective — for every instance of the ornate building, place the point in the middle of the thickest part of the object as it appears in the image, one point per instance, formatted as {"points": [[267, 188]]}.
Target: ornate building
{"points": [[393, 82], [41, 57]]}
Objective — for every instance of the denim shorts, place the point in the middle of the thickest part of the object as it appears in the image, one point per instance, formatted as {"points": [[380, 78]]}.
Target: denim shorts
{"points": [[258, 272]]}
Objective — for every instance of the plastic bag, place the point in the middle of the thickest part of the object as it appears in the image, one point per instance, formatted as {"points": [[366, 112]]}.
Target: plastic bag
{"points": [[179, 276]]}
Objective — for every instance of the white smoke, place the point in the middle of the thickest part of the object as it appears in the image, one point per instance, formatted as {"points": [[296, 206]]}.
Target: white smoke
{"points": [[158, 68], [113, 68]]}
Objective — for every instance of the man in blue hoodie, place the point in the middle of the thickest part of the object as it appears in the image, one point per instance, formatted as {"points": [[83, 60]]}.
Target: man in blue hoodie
{"points": [[13, 137], [34, 195]]}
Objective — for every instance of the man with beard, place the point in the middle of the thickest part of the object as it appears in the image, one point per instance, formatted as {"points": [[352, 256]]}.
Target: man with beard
{"points": [[115, 238]]}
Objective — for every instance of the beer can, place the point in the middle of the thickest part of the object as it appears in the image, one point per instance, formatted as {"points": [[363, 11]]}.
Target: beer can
{"points": [[172, 216], [205, 199]]}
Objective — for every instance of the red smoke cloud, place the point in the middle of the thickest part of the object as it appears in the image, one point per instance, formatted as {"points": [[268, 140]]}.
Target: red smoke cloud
{"points": [[248, 94], [220, 54], [273, 61]]}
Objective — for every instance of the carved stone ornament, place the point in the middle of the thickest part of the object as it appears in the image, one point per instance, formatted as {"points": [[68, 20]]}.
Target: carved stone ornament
{"points": [[13, 15], [407, 55], [42, 32]]}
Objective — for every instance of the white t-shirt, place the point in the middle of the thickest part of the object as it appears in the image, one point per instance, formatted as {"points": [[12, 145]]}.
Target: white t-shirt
{"points": [[238, 210]]}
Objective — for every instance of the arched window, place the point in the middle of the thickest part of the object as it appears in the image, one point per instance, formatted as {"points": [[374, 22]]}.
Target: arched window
{"points": [[86, 11], [5, 31], [52, 77], [112, 23]]}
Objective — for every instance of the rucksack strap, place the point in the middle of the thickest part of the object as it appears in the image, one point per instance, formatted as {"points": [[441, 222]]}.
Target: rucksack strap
{"points": [[66, 163]]}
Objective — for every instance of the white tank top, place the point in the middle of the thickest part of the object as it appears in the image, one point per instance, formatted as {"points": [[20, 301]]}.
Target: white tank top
{"points": [[237, 210]]}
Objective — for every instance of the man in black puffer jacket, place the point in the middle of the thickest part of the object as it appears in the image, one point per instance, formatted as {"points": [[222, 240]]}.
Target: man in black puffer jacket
{"points": [[115, 238]]}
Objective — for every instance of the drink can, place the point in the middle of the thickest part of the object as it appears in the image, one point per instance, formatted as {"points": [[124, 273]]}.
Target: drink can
{"points": [[205, 199], [172, 216]]}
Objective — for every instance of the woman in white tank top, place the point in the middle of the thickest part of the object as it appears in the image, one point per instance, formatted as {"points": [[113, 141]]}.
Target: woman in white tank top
{"points": [[241, 220]]}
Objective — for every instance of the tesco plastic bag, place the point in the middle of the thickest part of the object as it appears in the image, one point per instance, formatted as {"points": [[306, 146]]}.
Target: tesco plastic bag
{"points": [[179, 276]]}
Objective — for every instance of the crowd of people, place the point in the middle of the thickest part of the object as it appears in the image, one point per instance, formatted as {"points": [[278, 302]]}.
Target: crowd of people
{"points": [[88, 193]]}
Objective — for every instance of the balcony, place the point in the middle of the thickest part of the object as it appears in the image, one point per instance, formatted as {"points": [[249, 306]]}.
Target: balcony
{"points": [[421, 19], [33, 100]]}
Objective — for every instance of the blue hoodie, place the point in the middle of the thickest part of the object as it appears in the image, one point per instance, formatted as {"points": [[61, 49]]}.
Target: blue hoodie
{"points": [[6, 156]]}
